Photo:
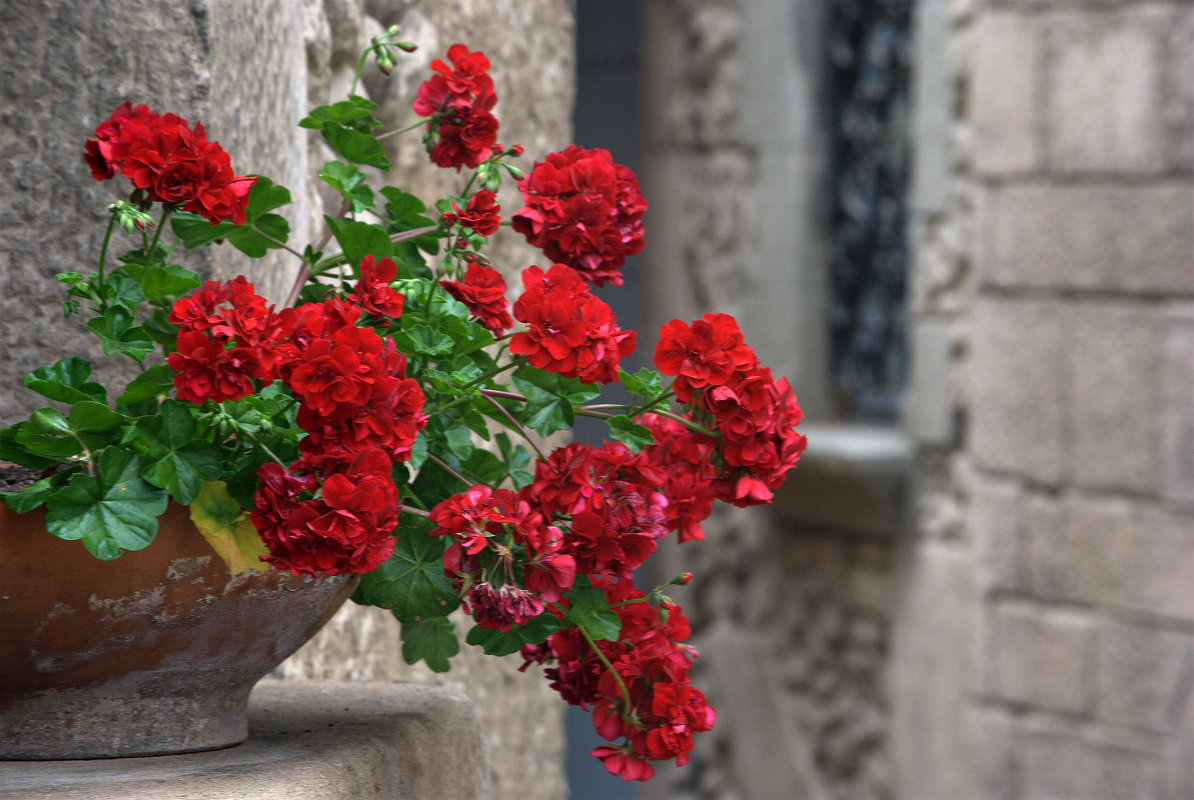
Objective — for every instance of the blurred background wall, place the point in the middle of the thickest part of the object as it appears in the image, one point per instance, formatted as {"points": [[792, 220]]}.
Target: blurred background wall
{"points": [[965, 230]]}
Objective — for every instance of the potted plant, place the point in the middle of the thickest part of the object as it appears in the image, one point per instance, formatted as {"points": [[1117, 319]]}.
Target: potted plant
{"points": [[381, 432]]}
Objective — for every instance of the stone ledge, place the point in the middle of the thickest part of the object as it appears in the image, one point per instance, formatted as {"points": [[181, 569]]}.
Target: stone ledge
{"points": [[322, 740], [852, 479]]}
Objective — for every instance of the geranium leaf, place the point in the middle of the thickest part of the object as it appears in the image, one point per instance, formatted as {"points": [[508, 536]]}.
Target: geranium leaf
{"points": [[630, 433], [360, 239], [66, 381], [349, 182], [119, 335], [156, 381], [88, 416], [588, 608], [431, 640], [47, 433], [227, 528], [646, 383], [113, 510], [498, 643], [12, 450], [411, 583], [355, 146]]}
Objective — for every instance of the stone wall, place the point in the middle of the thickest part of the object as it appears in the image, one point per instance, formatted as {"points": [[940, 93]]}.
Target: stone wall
{"points": [[249, 71], [1029, 631], [1058, 268]]}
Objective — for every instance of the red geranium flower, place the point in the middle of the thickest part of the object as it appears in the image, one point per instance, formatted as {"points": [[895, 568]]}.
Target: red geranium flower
{"points": [[570, 331], [171, 161], [583, 210], [484, 292]]}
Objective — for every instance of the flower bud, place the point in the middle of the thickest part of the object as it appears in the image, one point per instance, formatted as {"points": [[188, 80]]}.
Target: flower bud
{"points": [[130, 218], [385, 60], [407, 47], [684, 578]]}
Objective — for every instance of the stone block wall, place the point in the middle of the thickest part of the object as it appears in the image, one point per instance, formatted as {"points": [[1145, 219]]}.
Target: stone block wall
{"points": [[1060, 259], [1032, 633]]}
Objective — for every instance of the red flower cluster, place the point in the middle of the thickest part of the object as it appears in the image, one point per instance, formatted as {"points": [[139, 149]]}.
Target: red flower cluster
{"points": [[526, 549], [610, 495], [483, 290], [171, 161], [685, 459], [571, 331], [346, 529], [722, 384], [583, 210], [224, 333], [359, 410], [647, 701], [481, 214], [458, 99], [373, 290]]}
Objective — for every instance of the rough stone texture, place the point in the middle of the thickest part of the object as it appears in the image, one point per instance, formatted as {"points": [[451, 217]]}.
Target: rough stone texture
{"points": [[1113, 553], [61, 73], [323, 741], [1040, 657], [1020, 417], [1006, 85], [1104, 73], [1134, 238], [1112, 387], [933, 663], [1059, 763], [1141, 675]]}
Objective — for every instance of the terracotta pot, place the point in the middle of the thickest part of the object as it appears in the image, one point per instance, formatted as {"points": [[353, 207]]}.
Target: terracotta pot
{"points": [[152, 653]]}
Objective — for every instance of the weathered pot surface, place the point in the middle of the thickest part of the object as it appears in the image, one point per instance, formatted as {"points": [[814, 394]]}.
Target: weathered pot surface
{"points": [[152, 653]]}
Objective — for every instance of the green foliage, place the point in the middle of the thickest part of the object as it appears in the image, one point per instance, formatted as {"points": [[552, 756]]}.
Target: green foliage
{"points": [[111, 511], [411, 584], [261, 232]]}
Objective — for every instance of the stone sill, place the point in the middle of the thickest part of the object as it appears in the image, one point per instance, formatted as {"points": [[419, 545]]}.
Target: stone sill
{"points": [[853, 479], [319, 740]]}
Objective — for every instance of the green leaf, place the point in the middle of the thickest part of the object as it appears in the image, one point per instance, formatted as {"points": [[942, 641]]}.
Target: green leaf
{"points": [[424, 340], [588, 608], [156, 381], [349, 182], [630, 433], [110, 511], [162, 282], [12, 450], [89, 416], [193, 230], [355, 146], [411, 583], [497, 643], [431, 640], [47, 433], [646, 383], [119, 335], [360, 239], [355, 113], [30, 497], [66, 381], [550, 399]]}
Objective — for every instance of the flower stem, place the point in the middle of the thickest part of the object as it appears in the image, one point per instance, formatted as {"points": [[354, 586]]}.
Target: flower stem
{"points": [[486, 393], [397, 132], [627, 709]]}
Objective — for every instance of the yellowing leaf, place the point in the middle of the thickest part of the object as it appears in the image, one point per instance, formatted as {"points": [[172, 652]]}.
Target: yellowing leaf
{"points": [[228, 529]]}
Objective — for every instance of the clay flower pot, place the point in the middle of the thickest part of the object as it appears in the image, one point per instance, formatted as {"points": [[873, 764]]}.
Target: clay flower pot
{"points": [[152, 653]]}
